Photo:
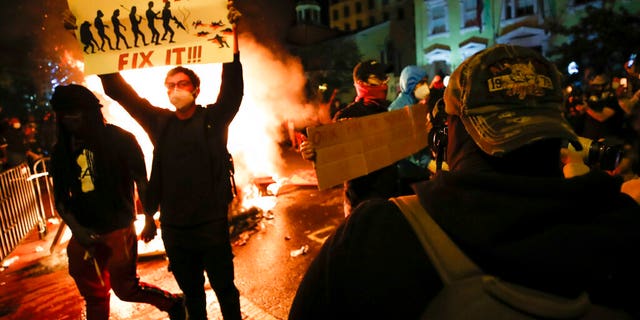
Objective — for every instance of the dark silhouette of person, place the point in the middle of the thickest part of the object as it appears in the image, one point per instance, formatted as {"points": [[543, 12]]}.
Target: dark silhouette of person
{"points": [[99, 25], [135, 22], [221, 41], [86, 37], [116, 29], [151, 17], [166, 18]]}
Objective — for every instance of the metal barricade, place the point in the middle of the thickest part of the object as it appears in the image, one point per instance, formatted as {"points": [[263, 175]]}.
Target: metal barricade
{"points": [[20, 208]]}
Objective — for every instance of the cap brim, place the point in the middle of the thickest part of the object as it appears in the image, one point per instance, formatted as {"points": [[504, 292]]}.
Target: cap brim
{"points": [[497, 133]]}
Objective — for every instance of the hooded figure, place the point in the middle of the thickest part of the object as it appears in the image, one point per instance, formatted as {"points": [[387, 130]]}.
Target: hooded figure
{"points": [[410, 77], [414, 88]]}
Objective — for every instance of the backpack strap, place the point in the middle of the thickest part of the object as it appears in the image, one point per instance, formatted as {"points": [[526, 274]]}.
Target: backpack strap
{"points": [[450, 262], [456, 270]]}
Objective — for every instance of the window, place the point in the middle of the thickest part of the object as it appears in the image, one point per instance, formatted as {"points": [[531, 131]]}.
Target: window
{"points": [[358, 7], [372, 4], [438, 19], [385, 2], [372, 20], [336, 15], [347, 27], [385, 16], [400, 13], [518, 8], [359, 24], [469, 12], [346, 11]]}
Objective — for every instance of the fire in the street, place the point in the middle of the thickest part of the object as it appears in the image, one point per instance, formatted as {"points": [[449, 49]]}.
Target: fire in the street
{"points": [[273, 97]]}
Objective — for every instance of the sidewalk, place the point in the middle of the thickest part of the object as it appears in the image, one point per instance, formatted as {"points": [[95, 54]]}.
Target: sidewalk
{"points": [[36, 285]]}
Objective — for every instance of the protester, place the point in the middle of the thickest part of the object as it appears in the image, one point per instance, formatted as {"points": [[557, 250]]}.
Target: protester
{"points": [[94, 168], [630, 99], [370, 81], [603, 117], [504, 202], [414, 89], [17, 148], [190, 178]]}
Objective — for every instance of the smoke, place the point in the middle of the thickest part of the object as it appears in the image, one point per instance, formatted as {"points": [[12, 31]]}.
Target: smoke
{"points": [[274, 97]]}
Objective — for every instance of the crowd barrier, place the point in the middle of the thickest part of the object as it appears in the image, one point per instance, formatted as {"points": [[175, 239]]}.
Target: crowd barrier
{"points": [[25, 203]]}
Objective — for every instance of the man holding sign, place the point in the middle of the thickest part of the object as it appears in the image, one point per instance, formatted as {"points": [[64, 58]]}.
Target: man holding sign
{"points": [[370, 81], [190, 177]]}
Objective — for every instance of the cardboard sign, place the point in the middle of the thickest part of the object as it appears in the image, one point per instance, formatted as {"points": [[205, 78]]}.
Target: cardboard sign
{"points": [[135, 34], [355, 147]]}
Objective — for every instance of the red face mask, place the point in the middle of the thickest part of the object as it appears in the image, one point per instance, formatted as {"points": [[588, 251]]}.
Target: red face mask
{"points": [[369, 92]]}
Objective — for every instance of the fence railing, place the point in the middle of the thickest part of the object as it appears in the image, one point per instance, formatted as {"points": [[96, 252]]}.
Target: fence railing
{"points": [[22, 204]]}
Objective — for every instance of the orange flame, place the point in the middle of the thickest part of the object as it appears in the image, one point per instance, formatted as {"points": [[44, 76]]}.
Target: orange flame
{"points": [[274, 86]]}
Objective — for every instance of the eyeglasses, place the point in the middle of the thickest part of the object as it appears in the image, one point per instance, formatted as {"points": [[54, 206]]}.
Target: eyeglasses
{"points": [[182, 84]]}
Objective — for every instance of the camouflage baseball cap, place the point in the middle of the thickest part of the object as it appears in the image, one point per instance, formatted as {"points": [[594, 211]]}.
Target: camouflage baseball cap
{"points": [[508, 96]]}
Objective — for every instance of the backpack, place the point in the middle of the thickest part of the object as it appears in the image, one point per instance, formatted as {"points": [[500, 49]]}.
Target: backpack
{"points": [[469, 293]]}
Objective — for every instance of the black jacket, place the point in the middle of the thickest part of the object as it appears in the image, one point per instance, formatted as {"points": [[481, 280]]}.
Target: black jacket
{"points": [[560, 235], [154, 121]]}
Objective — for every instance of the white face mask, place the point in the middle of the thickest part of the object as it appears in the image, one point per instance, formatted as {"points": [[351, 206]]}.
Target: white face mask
{"points": [[181, 99], [421, 92]]}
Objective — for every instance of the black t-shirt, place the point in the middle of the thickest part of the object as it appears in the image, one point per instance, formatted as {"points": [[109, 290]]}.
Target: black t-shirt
{"points": [[99, 184]]}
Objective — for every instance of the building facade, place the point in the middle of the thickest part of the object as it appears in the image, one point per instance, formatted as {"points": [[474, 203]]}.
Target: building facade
{"points": [[449, 31], [393, 19]]}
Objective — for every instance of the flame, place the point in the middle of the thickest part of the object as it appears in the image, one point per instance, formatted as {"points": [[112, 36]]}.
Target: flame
{"points": [[274, 85]]}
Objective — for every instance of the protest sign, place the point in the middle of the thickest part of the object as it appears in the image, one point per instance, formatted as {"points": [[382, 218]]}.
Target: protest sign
{"points": [[136, 34], [355, 147]]}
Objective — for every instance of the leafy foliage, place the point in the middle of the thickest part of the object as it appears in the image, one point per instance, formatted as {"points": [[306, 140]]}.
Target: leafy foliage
{"points": [[330, 62], [603, 39]]}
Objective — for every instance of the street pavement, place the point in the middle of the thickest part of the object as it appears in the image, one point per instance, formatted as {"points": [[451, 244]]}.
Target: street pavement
{"points": [[270, 260]]}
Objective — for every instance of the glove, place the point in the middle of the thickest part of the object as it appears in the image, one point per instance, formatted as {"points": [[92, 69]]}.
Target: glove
{"points": [[150, 229], [86, 238], [307, 150]]}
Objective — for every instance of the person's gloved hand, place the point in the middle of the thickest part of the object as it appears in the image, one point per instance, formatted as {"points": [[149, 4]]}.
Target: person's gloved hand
{"points": [[150, 229], [632, 188], [307, 150], [86, 238]]}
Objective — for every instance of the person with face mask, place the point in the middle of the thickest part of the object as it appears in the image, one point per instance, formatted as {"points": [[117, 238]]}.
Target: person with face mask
{"points": [[603, 116], [190, 178], [414, 89], [370, 81]]}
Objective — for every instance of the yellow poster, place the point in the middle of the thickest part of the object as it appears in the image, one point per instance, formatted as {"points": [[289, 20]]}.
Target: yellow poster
{"points": [[352, 148], [136, 34]]}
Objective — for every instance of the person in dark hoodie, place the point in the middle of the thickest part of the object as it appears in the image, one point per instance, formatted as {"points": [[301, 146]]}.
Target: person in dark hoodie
{"points": [[504, 202], [370, 81], [94, 166], [190, 178]]}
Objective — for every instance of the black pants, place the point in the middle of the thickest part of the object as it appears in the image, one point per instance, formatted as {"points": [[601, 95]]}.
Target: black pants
{"points": [[188, 265]]}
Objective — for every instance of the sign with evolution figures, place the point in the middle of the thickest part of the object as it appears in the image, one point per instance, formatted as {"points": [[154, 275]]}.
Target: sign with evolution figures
{"points": [[136, 34]]}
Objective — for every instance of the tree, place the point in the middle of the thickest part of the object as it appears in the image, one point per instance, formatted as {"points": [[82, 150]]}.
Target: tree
{"points": [[330, 63], [602, 39]]}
